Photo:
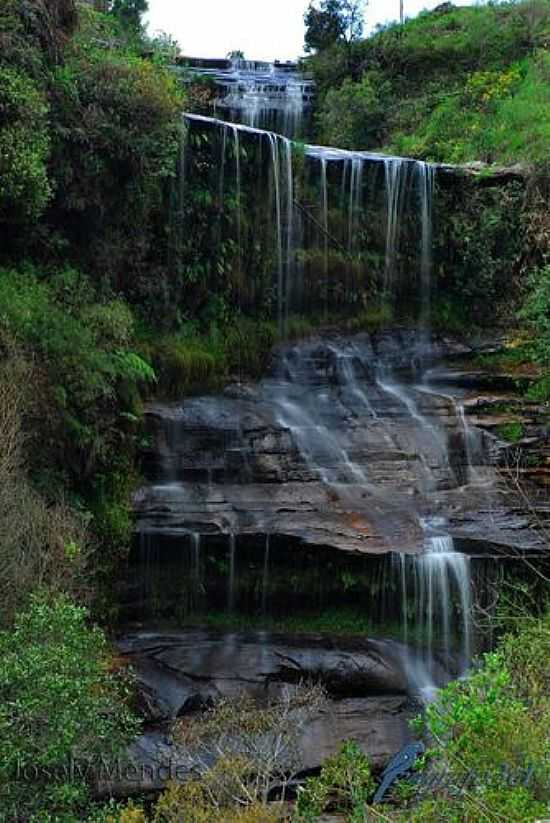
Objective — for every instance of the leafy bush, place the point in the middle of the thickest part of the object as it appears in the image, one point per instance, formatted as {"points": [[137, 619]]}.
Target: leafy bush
{"points": [[536, 311], [24, 148], [40, 544], [83, 349], [116, 131], [59, 704], [353, 115], [345, 781], [512, 431], [490, 735]]}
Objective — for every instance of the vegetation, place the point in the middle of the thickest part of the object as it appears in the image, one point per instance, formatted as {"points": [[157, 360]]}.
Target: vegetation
{"points": [[451, 85], [345, 782], [536, 312], [490, 744], [61, 710], [333, 22]]}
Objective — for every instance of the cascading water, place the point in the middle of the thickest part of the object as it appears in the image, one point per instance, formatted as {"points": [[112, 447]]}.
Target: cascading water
{"points": [[270, 96], [348, 177], [338, 400]]}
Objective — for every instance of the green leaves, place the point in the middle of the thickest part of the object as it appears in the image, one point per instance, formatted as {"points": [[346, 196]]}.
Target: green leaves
{"points": [[24, 148], [58, 702], [345, 781], [86, 348], [489, 734]]}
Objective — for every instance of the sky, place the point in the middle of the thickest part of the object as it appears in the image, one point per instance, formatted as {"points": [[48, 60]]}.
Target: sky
{"points": [[262, 29]]}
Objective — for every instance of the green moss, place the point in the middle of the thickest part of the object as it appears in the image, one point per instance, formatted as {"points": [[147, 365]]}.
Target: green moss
{"points": [[512, 432]]}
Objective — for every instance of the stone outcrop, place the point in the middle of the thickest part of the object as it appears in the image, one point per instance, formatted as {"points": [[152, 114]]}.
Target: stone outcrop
{"points": [[182, 672], [345, 445]]}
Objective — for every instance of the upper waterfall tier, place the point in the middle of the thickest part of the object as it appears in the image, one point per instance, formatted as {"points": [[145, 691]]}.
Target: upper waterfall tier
{"points": [[309, 230], [271, 96], [329, 153]]}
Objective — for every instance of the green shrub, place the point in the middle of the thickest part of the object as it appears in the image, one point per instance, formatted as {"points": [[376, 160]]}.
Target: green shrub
{"points": [[40, 543], [24, 148], [536, 312], [345, 781], [490, 735], [82, 346], [353, 115], [512, 432], [59, 704]]}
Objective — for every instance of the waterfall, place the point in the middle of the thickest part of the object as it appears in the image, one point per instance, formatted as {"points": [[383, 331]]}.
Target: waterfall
{"points": [[265, 577], [237, 154], [267, 96], [324, 212], [440, 571], [426, 185], [293, 251], [274, 225], [196, 561], [395, 188], [231, 575]]}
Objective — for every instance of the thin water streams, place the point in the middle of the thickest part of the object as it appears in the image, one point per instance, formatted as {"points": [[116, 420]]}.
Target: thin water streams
{"points": [[349, 179], [335, 398]]}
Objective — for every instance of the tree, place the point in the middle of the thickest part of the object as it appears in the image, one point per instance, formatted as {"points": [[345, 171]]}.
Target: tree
{"points": [[333, 21], [62, 711], [129, 14]]}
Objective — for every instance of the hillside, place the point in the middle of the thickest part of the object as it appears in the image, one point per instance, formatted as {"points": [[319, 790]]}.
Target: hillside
{"points": [[452, 85]]}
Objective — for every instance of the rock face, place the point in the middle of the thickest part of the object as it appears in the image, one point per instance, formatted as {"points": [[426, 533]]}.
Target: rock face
{"points": [[348, 444], [191, 668], [181, 672]]}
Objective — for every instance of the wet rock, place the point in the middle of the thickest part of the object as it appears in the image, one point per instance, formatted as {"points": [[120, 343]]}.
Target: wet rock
{"points": [[344, 445], [379, 725], [367, 687], [211, 665]]}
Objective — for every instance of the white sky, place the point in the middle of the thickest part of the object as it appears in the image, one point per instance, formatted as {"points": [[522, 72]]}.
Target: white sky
{"points": [[262, 29]]}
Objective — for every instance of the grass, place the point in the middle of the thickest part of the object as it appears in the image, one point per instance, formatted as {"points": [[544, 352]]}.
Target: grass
{"points": [[335, 622], [512, 432]]}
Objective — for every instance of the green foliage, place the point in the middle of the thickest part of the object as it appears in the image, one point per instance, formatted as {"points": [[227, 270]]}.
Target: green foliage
{"points": [[478, 241], [58, 702], [449, 86], [39, 541], [377, 316], [191, 803], [24, 148], [84, 349], [129, 14], [113, 171], [345, 781], [490, 735], [332, 21], [512, 431], [536, 312], [353, 115]]}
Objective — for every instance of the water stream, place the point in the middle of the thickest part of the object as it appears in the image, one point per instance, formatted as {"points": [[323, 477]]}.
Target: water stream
{"points": [[334, 399]]}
